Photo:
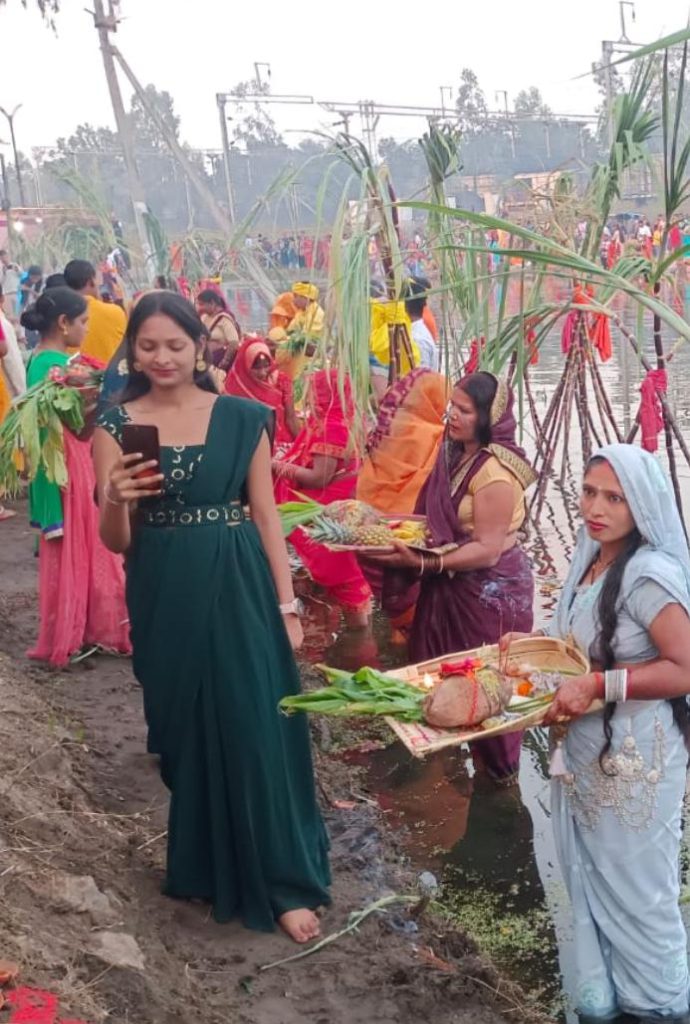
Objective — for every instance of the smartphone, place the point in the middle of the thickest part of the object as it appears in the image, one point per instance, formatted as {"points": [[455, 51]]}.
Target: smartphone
{"points": [[140, 438]]}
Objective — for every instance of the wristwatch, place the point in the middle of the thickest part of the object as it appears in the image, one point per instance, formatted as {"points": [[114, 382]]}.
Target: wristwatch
{"points": [[294, 607]]}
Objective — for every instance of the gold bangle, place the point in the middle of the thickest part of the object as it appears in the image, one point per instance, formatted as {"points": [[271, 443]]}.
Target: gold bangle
{"points": [[423, 566], [439, 571]]}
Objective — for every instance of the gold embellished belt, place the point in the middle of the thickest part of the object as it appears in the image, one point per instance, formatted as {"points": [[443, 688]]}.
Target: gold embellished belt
{"points": [[194, 515]]}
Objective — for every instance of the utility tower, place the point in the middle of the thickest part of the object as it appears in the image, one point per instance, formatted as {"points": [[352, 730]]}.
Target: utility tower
{"points": [[105, 24]]}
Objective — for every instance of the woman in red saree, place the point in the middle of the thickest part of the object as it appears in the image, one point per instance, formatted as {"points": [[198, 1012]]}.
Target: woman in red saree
{"points": [[322, 466], [254, 375]]}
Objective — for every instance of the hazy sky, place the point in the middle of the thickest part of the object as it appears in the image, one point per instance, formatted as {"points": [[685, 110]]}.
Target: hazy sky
{"points": [[357, 49]]}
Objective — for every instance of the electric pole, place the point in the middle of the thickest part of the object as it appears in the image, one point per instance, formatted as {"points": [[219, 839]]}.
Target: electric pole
{"points": [[609, 48], [225, 139], [13, 139], [104, 26], [504, 94]]}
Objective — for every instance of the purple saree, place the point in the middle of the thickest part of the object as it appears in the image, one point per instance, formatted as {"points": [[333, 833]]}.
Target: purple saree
{"points": [[462, 610]]}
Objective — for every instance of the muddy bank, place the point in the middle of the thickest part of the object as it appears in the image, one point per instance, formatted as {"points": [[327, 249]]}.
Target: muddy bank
{"points": [[82, 822]]}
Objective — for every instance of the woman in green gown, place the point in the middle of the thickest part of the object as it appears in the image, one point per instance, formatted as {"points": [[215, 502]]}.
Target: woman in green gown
{"points": [[214, 625]]}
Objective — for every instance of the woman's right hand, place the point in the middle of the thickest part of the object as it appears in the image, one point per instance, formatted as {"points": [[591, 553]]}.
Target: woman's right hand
{"points": [[125, 483], [509, 638]]}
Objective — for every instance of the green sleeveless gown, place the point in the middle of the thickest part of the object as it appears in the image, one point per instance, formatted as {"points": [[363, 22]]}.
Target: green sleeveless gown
{"points": [[213, 658]]}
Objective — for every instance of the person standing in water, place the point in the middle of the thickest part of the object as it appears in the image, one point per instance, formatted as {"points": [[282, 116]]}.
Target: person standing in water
{"points": [[619, 774], [214, 624]]}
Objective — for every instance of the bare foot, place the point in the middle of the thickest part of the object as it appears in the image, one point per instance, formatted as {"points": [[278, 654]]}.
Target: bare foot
{"points": [[301, 925]]}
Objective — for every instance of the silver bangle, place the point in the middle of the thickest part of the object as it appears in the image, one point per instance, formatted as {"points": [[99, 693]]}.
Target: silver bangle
{"points": [[616, 685], [109, 499]]}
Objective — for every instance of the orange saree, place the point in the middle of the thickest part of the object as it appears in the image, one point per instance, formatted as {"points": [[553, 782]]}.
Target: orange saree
{"points": [[404, 444]]}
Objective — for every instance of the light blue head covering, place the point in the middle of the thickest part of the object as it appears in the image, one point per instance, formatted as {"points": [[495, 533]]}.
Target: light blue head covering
{"points": [[664, 558]]}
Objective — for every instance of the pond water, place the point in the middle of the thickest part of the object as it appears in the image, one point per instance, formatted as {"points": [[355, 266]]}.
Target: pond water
{"points": [[493, 848]]}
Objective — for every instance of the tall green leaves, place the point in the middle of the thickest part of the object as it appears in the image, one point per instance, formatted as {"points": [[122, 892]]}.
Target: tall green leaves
{"points": [[159, 245], [634, 124], [676, 182], [440, 146]]}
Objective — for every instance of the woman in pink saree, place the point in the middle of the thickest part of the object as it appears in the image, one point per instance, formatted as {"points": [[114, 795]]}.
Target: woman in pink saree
{"points": [[81, 584]]}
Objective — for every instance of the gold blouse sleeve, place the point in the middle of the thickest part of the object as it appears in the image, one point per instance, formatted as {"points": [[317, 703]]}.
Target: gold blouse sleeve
{"points": [[492, 472]]}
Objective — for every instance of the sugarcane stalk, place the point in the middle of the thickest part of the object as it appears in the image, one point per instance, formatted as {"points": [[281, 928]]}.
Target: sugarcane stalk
{"points": [[555, 400], [604, 399], [566, 435], [668, 412], [552, 446], [552, 413], [353, 924], [581, 392], [533, 412], [670, 451], [633, 431]]}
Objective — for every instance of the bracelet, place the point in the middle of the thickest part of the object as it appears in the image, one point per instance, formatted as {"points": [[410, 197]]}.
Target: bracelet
{"points": [[439, 571], [616, 685], [423, 566], [109, 498]]}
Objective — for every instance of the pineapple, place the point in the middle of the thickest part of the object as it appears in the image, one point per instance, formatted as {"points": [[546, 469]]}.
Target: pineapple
{"points": [[378, 535], [325, 530]]}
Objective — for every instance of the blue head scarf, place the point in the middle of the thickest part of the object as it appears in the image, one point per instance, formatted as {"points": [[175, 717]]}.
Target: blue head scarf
{"points": [[664, 556]]}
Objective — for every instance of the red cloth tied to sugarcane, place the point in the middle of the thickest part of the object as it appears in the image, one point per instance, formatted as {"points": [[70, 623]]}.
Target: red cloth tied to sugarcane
{"points": [[531, 343], [601, 336], [476, 348], [568, 332], [651, 416], [582, 296]]}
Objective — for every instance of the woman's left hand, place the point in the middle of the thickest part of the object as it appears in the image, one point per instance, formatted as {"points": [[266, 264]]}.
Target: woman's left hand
{"points": [[573, 698], [403, 557], [294, 631], [89, 399]]}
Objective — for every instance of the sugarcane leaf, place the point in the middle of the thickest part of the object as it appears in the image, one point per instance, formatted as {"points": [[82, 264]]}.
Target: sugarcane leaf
{"points": [[645, 51]]}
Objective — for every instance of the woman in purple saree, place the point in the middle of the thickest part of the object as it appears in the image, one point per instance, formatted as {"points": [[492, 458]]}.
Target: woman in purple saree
{"points": [[482, 585]]}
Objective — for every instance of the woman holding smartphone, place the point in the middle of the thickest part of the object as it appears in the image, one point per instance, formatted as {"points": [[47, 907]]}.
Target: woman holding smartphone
{"points": [[214, 623]]}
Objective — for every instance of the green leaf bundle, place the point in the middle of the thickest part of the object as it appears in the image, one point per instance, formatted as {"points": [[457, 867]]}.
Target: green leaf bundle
{"points": [[31, 435], [366, 692]]}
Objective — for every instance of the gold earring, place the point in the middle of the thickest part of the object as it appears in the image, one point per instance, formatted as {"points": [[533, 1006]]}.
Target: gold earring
{"points": [[201, 366], [137, 367]]}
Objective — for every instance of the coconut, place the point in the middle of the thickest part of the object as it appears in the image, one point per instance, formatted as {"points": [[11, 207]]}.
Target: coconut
{"points": [[468, 700]]}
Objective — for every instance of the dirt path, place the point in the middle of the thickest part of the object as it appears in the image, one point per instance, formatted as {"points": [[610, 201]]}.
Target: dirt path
{"points": [[81, 803]]}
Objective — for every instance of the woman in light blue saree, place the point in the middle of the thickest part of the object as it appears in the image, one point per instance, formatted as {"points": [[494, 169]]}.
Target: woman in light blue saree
{"points": [[620, 774]]}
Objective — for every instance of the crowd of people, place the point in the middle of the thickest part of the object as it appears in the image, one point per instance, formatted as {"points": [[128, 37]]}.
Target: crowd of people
{"points": [[637, 236], [198, 525]]}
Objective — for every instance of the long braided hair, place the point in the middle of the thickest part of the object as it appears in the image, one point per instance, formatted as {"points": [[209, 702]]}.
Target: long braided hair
{"points": [[603, 650]]}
